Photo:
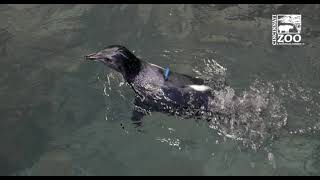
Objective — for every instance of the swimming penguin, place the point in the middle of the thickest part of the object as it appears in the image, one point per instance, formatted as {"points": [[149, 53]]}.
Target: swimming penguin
{"points": [[157, 89]]}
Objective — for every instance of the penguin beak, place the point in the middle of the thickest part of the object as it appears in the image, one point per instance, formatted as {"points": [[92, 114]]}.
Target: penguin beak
{"points": [[93, 56]]}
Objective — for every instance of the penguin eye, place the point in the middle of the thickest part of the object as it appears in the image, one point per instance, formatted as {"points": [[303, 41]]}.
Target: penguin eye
{"points": [[120, 56], [107, 59]]}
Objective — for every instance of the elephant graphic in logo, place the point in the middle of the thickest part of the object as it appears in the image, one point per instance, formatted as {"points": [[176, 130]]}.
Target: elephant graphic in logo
{"points": [[289, 24], [285, 28]]}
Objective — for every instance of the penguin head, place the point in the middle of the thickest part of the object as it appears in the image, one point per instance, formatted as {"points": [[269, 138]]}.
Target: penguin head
{"points": [[118, 58]]}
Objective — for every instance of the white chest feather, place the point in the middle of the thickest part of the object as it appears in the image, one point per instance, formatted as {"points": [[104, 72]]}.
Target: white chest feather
{"points": [[199, 87]]}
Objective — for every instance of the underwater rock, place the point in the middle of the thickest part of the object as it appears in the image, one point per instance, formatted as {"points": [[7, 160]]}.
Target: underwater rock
{"points": [[61, 25], [5, 36], [313, 163], [223, 39], [295, 154], [233, 25], [21, 142], [144, 12], [55, 163], [47, 37], [52, 163], [173, 21], [22, 6]]}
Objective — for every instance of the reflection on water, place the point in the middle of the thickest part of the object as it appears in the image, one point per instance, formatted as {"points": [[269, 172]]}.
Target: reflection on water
{"points": [[60, 111]]}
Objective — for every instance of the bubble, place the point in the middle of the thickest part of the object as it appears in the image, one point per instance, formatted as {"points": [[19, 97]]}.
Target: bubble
{"points": [[271, 160]]}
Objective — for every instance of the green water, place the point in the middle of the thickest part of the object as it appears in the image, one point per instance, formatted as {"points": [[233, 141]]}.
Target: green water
{"points": [[61, 115]]}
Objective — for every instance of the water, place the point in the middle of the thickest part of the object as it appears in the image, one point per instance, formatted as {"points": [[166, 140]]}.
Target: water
{"points": [[60, 111]]}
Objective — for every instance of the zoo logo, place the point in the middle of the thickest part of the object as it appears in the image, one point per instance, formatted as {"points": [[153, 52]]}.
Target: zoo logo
{"points": [[286, 29]]}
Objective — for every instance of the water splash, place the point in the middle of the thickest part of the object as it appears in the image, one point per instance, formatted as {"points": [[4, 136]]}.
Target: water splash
{"points": [[253, 117], [212, 72], [114, 93], [174, 142]]}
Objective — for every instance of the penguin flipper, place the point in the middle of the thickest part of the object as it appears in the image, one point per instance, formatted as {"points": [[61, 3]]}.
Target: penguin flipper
{"points": [[137, 117], [140, 110]]}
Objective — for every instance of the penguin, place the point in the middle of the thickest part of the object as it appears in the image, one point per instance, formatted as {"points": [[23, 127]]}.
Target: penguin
{"points": [[157, 89]]}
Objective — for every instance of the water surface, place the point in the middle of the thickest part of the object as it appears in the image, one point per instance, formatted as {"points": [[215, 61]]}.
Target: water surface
{"points": [[60, 111]]}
